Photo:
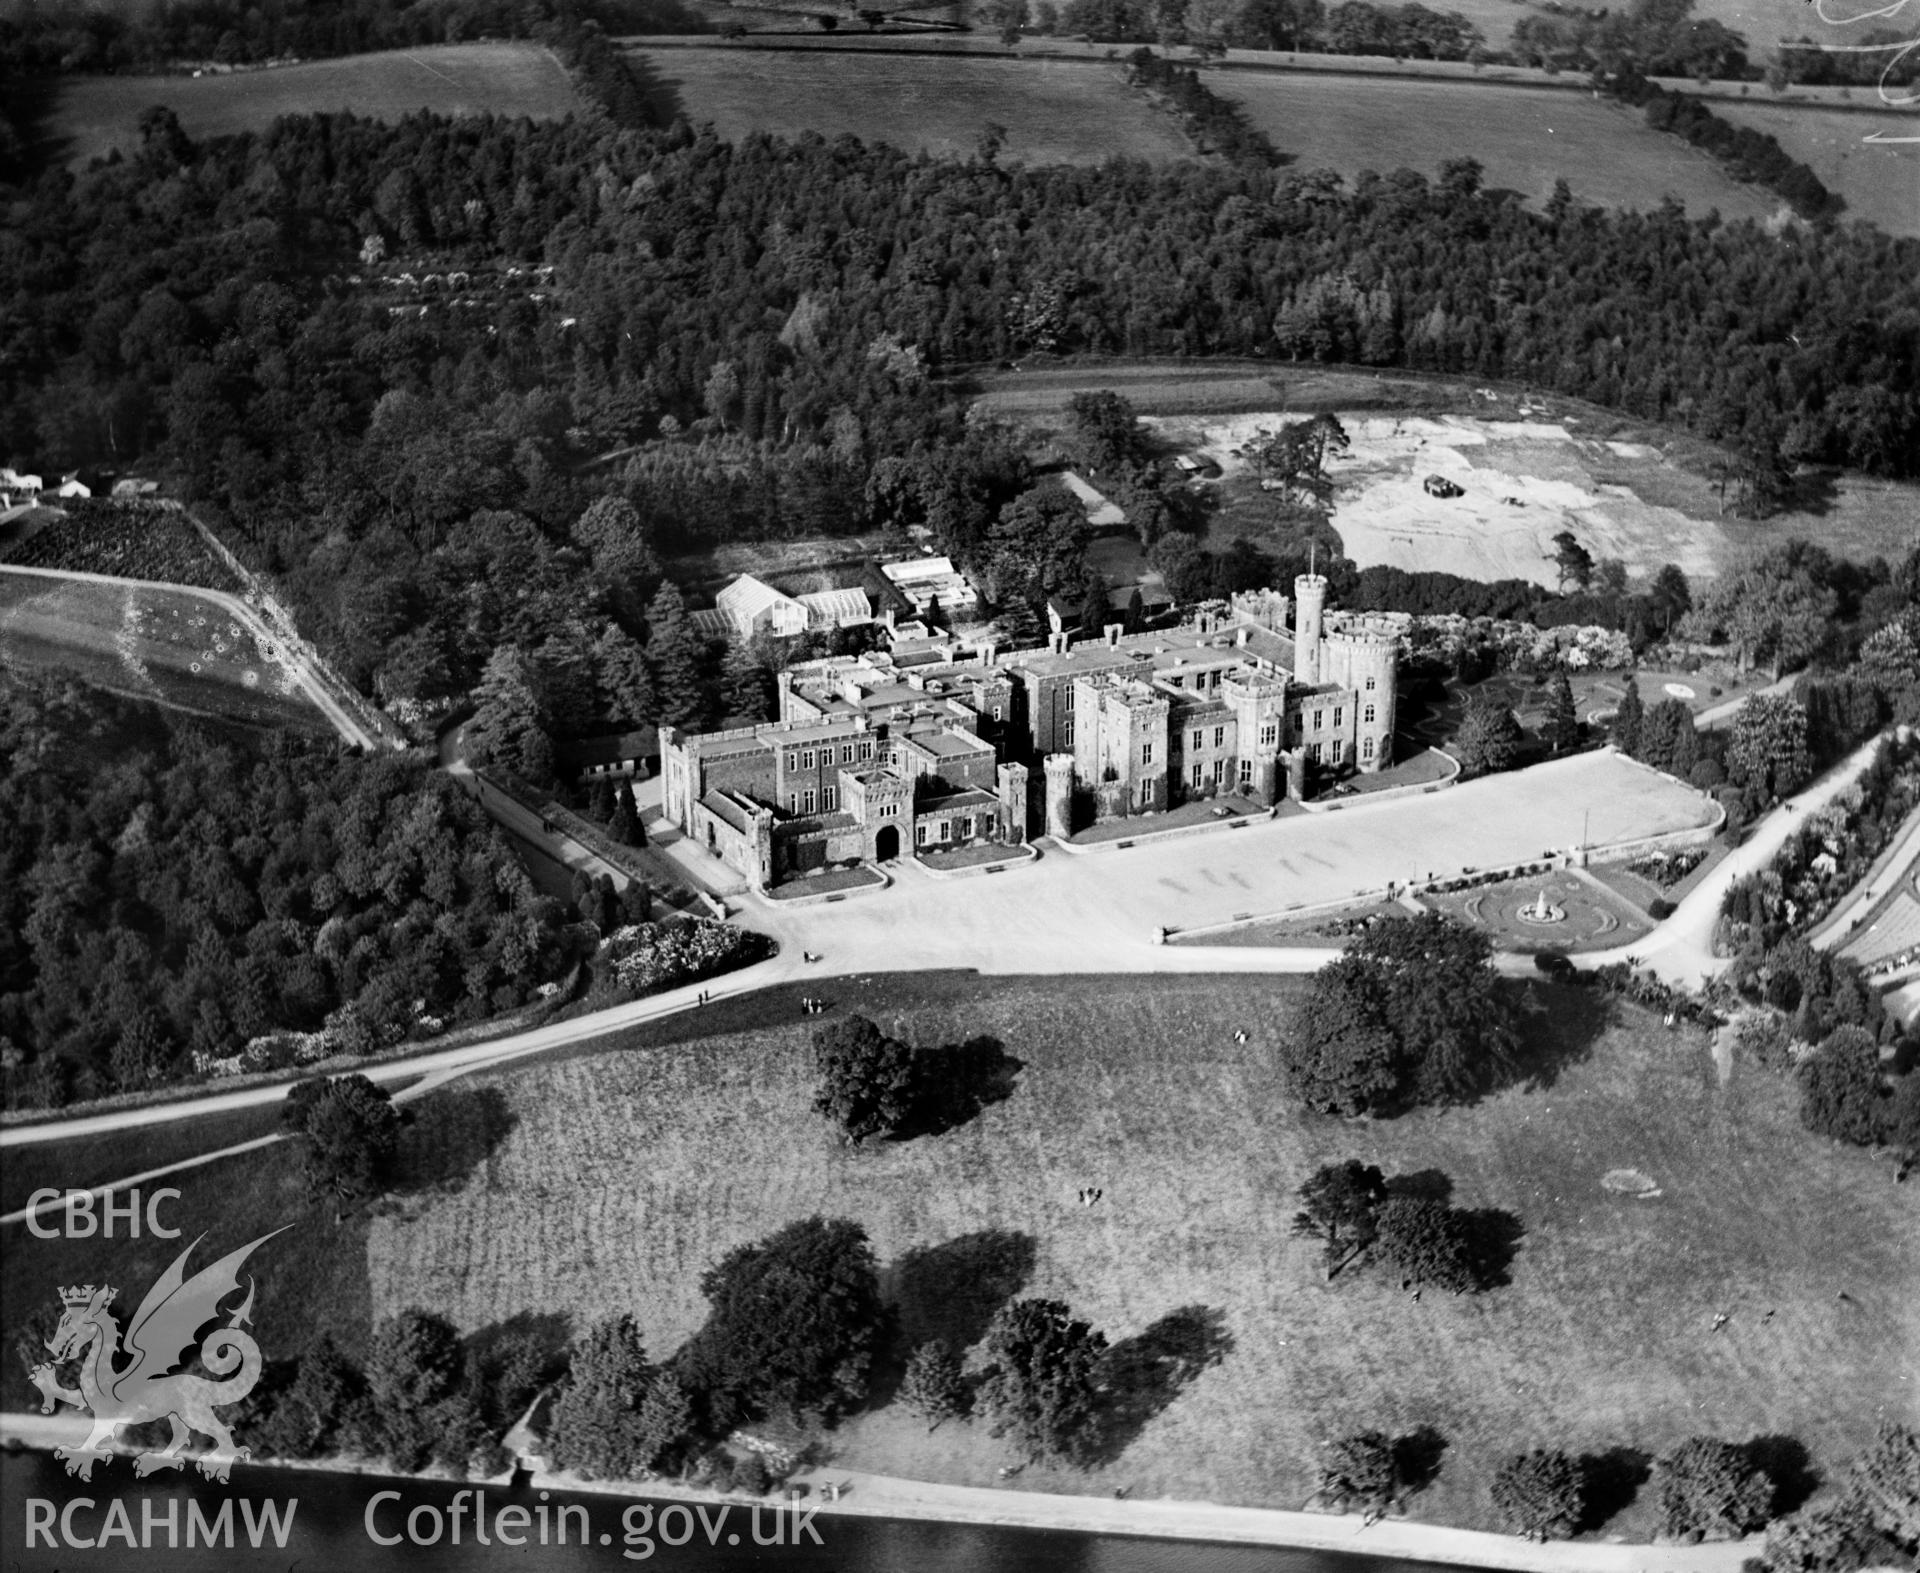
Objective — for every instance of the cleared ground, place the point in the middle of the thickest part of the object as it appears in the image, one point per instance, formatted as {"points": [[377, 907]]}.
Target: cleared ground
{"points": [[1525, 480], [151, 644], [1055, 111], [1525, 139], [1880, 180], [627, 1173], [92, 115]]}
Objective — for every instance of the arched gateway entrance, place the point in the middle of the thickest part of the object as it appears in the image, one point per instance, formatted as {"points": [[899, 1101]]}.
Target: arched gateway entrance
{"points": [[886, 844]]}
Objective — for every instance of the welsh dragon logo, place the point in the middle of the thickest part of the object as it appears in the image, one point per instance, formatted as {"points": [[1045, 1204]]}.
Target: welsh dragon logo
{"points": [[151, 1386]]}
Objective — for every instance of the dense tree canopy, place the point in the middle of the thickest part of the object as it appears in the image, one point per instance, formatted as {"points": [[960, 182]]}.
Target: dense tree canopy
{"points": [[170, 898]]}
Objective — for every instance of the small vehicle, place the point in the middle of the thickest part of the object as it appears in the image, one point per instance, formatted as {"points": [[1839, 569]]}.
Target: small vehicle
{"points": [[1440, 486], [1221, 811]]}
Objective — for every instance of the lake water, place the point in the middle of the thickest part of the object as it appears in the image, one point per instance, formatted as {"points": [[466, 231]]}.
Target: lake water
{"points": [[333, 1529]]}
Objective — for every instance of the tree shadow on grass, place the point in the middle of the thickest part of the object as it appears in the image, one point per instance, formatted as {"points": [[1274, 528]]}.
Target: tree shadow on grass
{"points": [[954, 1083], [1416, 1458], [449, 1135], [1428, 1185], [951, 1291], [1609, 1482], [1785, 1461], [1559, 1025], [1493, 1238], [1142, 1375]]}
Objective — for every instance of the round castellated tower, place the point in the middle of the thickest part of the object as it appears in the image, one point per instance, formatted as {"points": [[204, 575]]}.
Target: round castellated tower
{"points": [[1309, 611], [1372, 661], [1059, 768]]}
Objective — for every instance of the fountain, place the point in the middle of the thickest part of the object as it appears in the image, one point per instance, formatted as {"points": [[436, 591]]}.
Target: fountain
{"points": [[1542, 911]]}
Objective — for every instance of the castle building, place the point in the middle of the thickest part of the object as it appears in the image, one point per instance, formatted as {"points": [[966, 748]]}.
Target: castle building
{"points": [[924, 749]]}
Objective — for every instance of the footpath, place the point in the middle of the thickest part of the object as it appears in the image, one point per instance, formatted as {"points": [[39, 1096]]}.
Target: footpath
{"points": [[891, 1497]]}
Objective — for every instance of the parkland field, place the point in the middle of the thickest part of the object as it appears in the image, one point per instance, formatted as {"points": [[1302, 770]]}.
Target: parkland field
{"points": [[1055, 111], [622, 1175], [1880, 180], [90, 116]]}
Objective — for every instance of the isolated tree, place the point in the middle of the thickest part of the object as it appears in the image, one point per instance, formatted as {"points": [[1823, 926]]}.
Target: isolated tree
{"points": [[1561, 729], [794, 1322], [1572, 560], [1037, 547], [1627, 720], [1710, 1490], [1840, 1087], [596, 1428], [673, 654], [1489, 739], [1340, 1054], [1042, 1377], [347, 1131], [1337, 1207], [1426, 1242], [1456, 1022], [1361, 1470], [625, 825], [1136, 611], [866, 1083], [510, 724], [1540, 1494], [934, 1386], [1667, 738]]}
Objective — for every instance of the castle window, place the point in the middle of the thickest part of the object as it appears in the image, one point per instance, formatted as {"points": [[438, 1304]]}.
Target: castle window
{"points": [[1199, 772], [1339, 717], [866, 750], [1319, 719], [1219, 771], [1372, 683], [996, 712], [1146, 753], [1367, 715], [1313, 752], [1269, 735], [846, 753], [793, 802], [920, 835], [1199, 739], [946, 830], [966, 828], [807, 798], [1366, 748], [1219, 737], [806, 759], [829, 798], [1069, 731], [1246, 772], [793, 760]]}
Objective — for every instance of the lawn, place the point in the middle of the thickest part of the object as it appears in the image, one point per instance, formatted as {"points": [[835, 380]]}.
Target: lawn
{"points": [[630, 1171], [1525, 138], [92, 115], [1055, 111], [1881, 181], [161, 645]]}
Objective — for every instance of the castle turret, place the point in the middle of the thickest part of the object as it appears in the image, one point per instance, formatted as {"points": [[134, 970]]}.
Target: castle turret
{"points": [[1309, 609], [1059, 768], [1368, 664], [1012, 781]]}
